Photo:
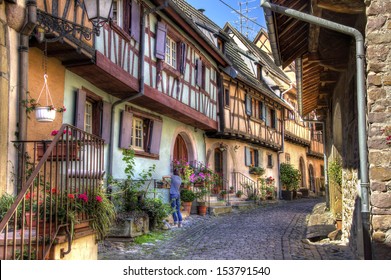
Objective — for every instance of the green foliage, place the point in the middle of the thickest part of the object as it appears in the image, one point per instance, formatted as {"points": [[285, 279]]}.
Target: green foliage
{"points": [[149, 238], [257, 170], [6, 200], [157, 211], [335, 172], [187, 195], [289, 176]]}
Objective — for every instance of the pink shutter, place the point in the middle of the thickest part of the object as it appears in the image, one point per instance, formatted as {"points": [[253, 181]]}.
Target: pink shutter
{"points": [[80, 108], [156, 137], [182, 68], [126, 130], [161, 34], [106, 122], [135, 21], [199, 72]]}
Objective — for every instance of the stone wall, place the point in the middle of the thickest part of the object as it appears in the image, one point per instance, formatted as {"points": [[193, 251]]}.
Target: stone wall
{"points": [[378, 42]]}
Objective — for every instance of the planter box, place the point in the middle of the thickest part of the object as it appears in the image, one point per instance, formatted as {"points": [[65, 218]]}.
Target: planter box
{"points": [[133, 226], [59, 151], [287, 195]]}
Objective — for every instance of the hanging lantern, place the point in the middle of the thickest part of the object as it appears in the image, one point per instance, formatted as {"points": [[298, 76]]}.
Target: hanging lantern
{"points": [[98, 11]]}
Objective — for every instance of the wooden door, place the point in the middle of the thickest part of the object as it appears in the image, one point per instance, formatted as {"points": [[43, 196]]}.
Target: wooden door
{"points": [[180, 149]]}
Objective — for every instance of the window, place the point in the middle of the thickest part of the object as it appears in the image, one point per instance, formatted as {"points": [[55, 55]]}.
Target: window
{"points": [[171, 52], [132, 18], [137, 134], [141, 131], [322, 171], [115, 12], [88, 117], [226, 97], [269, 161], [287, 158], [92, 114], [220, 45], [248, 104], [259, 72], [251, 156], [261, 110], [273, 116]]}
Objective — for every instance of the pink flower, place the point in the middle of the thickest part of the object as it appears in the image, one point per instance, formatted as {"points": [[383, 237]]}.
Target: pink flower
{"points": [[83, 196], [71, 196], [54, 133], [98, 198]]}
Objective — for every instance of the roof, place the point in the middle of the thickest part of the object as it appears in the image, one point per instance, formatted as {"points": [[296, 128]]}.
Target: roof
{"points": [[232, 50]]}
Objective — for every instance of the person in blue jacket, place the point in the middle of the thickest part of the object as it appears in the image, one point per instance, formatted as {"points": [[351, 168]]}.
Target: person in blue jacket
{"points": [[175, 197]]}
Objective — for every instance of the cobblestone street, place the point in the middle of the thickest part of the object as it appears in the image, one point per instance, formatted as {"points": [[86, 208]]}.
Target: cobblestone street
{"points": [[271, 232]]}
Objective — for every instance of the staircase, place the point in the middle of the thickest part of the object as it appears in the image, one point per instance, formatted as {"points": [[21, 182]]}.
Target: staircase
{"points": [[48, 172]]}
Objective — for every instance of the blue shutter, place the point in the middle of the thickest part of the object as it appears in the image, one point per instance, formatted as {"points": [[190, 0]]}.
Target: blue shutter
{"points": [[247, 156]]}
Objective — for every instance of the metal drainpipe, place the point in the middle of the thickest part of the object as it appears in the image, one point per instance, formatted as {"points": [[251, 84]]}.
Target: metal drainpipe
{"points": [[281, 152], [361, 92], [141, 82]]}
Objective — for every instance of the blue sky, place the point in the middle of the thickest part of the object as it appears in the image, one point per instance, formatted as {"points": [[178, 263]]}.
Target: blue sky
{"points": [[220, 13]]}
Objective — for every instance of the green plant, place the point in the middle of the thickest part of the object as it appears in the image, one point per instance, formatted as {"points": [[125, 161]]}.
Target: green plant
{"points": [[184, 169], [223, 192], [289, 176], [6, 200], [335, 172], [157, 211], [239, 193], [257, 170], [187, 195]]}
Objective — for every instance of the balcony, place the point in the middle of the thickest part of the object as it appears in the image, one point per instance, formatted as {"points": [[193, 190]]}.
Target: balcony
{"points": [[316, 148], [297, 133]]}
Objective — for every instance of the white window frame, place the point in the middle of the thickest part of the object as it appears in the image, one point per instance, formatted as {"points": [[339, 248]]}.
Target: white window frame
{"points": [[88, 117], [138, 134], [171, 52]]}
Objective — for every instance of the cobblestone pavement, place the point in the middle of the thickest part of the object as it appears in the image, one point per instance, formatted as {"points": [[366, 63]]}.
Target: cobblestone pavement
{"points": [[271, 232]]}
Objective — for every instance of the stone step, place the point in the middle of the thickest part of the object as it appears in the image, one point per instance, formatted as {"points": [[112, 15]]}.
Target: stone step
{"points": [[219, 210]]}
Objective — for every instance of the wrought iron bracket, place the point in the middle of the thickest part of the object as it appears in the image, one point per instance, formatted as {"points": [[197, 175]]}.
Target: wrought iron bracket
{"points": [[62, 27]]}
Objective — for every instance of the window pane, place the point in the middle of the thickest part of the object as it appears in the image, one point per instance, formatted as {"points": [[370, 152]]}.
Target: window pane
{"points": [[137, 135], [88, 117]]}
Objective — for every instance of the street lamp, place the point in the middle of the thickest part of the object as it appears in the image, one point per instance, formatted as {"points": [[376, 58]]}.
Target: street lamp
{"points": [[98, 12]]}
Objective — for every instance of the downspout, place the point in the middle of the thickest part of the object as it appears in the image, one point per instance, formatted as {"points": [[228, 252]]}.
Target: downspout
{"points": [[27, 29], [281, 152], [23, 69], [141, 82], [299, 82], [361, 92]]}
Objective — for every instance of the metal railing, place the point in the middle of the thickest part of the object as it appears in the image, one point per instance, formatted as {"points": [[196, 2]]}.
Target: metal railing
{"points": [[52, 174], [242, 183]]}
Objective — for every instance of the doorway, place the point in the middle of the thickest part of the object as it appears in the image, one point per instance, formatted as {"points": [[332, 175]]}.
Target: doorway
{"points": [[180, 149], [312, 177]]}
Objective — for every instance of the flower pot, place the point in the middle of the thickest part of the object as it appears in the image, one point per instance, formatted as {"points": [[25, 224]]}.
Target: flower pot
{"points": [[45, 114], [287, 195], [339, 224], [187, 206], [201, 210]]}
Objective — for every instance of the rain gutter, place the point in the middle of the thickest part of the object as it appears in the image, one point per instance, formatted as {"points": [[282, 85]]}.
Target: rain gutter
{"points": [[141, 81], [361, 113]]}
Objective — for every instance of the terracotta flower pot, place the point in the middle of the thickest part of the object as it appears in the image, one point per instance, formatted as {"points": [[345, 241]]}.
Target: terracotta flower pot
{"points": [[187, 206], [201, 210]]}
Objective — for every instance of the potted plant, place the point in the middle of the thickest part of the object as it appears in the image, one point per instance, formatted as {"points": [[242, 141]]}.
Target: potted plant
{"points": [[223, 194], [187, 198], [231, 189], [42, 113], [201, 194], [239, 193], [290, 178], [62, 148]]}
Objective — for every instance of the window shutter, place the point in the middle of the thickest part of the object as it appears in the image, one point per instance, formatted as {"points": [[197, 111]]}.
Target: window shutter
{"points": [[80, 108], [126, 130], [199, 72], [263, 112], [256, 158], [247, 156], [127, 19], [267, 119], [135, 21], [106, 122], [156, 137], [160, 43], [248, 104], [182, 67], [275, 121]]}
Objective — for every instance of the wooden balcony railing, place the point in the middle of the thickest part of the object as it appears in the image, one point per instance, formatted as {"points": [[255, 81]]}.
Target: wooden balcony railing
{"points": [[298, 131], [52, 174], [316, 148]]}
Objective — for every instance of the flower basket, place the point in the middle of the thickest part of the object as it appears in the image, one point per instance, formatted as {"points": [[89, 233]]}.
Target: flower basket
{"points": [[45, 114]]}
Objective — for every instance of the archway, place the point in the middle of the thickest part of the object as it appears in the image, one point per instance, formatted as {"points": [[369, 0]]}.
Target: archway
{"points": [[302, 171], [180, 149]]}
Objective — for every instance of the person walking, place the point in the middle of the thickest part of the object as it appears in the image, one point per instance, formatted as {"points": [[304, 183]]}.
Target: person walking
{"points": [[176, 182]]}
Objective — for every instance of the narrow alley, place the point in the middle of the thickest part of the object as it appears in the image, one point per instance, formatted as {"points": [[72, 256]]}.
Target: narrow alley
{"points": [[271, 232]]}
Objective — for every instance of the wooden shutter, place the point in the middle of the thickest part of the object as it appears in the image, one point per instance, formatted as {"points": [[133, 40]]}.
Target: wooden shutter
{"points": [[156, 137], [80, 108], [160, 43], [126, 130], [182, 66], [263, 112], [267, 120], [248, 104], [199, 72], [247, 156], [106, 122], [127, 17], [274, 119], [135, 21]]}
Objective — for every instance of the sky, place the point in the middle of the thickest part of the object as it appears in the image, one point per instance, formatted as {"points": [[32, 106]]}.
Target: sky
{"points": [[217, 11]]}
